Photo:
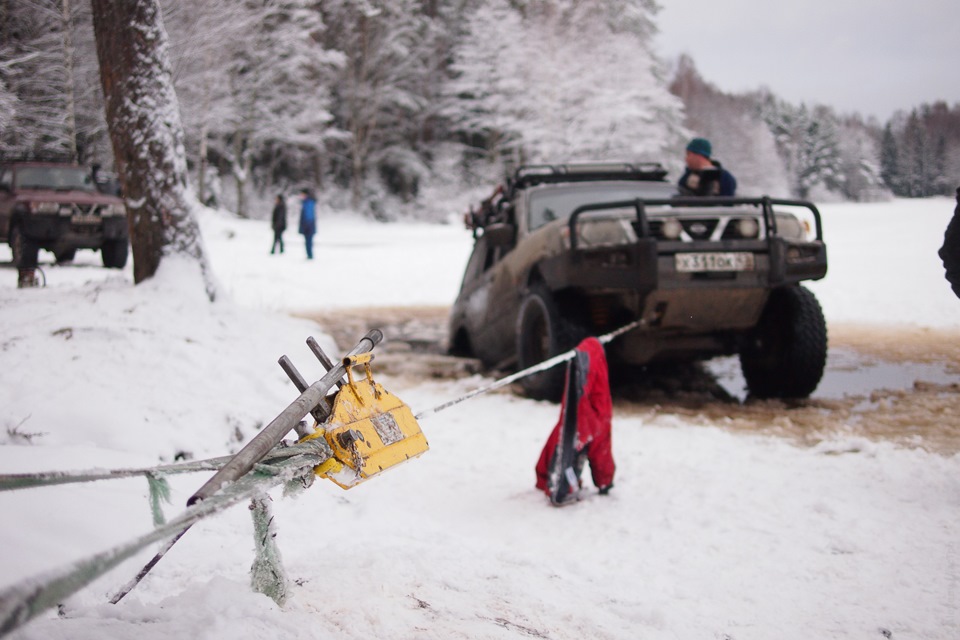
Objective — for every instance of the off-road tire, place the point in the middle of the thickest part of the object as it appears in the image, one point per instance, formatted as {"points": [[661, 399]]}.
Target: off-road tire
{"points": [[785, 354], [65, 255], [114, 254], [542, 333]]}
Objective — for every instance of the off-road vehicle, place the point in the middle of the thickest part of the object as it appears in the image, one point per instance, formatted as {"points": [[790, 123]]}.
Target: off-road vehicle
{"points": [[58, 206], [567, 251]]}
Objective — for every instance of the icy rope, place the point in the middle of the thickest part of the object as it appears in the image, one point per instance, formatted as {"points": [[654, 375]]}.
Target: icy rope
{"points": [[13, 481], [22, 602], [537, 368]]}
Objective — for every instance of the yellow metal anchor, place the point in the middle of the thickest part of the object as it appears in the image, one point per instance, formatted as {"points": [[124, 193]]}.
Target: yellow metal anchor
{"points": [[369, 429]]}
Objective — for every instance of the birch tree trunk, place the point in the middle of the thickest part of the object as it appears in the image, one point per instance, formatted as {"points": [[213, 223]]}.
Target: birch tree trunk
{"points": [[69, 84], [147, 135]]}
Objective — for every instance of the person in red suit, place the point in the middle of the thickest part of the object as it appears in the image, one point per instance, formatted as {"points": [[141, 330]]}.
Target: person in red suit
{"points": [[583, 432]]}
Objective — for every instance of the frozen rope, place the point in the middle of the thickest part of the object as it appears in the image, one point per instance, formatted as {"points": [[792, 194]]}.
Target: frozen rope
{"points": [[21, 602], [537, 368], [12, 481]]}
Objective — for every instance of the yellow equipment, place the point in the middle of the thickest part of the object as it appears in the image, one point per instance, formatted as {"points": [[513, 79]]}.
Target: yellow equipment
{"points": [[369, 429]]}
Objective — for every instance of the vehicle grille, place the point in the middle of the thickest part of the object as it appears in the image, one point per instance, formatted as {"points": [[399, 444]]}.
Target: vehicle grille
{"points": [[699, 229]]}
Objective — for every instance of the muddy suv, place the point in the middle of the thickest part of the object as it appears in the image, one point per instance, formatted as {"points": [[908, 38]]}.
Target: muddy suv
{"points": [[58, 206], [563, 252]]}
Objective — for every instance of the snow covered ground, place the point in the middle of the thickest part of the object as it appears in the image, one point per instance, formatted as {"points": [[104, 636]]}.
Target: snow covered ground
{"points": [[708, 533]]}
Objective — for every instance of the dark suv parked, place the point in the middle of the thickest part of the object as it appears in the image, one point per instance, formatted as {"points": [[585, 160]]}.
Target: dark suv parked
{"points": [[567, 251], [58, 206]]}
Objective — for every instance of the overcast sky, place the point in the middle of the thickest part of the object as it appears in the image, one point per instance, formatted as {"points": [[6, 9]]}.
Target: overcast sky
{"points": [[870, 56]]}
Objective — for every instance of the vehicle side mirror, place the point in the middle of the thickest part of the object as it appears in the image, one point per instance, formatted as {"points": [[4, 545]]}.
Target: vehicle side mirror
{"points": [[500, 234]]}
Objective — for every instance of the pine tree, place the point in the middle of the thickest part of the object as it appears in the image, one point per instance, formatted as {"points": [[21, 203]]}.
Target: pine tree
{"points": [[890, 161]]}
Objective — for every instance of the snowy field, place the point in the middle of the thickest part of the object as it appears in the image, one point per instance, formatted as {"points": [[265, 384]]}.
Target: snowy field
{"points": [[708, 533]]}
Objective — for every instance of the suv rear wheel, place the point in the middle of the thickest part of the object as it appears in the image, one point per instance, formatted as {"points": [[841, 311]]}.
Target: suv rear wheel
{"points": [[543, 333], [786, 352]]}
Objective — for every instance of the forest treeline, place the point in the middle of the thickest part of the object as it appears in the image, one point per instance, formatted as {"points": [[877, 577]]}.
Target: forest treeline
{"points": [[373, 100]]}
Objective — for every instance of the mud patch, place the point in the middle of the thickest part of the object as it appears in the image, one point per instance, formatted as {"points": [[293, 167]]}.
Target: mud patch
{"points": [[898, 384]]}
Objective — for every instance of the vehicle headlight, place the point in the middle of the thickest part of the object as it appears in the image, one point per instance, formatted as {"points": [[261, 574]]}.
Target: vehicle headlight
{"points": [[671, 229], [604, 233], [44, 207], [789, 227], [748, 228]]}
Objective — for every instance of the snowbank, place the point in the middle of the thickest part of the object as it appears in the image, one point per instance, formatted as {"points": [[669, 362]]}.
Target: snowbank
{"points": [[707, 533]]}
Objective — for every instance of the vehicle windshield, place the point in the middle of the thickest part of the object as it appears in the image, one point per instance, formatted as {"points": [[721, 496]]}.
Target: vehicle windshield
{"points": [[54, 178], [557, 203]]}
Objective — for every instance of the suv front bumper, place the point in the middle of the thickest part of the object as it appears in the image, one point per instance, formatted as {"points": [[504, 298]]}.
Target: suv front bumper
{"points": [[61, 231], [647, 264]]}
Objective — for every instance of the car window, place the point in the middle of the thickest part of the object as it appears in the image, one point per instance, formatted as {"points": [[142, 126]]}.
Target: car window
{"points": [[484, 256], [557, 203], [55, 178], [475, 266]]}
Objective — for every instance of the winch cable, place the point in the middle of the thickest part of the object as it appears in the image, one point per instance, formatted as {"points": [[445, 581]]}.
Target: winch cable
{"points": [[537, 368], [24, 601]]}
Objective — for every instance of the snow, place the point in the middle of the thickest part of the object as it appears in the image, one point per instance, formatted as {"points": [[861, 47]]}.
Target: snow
{"points": [[708, 533]]}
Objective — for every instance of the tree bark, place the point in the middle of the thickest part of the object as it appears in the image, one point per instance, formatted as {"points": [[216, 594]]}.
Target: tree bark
{"points": [[147, 135]]}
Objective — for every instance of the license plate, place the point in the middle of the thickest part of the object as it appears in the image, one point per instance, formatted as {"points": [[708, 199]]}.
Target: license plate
{"points": [[89, 218], [732, 261]]}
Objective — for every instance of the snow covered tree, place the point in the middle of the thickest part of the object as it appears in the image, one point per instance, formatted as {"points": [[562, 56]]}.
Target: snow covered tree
{"points": [[379, 91], [556, 80], [918, 160], [49, 65], [148, 145], [921, 150], [253, 78], [807, 142], [8, 102], [890, 160], [741, 140], [859, 166]]}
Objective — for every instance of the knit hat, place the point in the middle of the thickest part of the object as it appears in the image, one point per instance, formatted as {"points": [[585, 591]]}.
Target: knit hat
{"points": [[700, 146]]}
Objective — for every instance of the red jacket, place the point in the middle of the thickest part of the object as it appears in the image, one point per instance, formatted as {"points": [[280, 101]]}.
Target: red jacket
{"points": [[594, 413]]}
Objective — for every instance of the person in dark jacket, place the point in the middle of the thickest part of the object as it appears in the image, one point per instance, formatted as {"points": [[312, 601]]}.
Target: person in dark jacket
{"points": [[705, 176], [588, 408], [278, 223], [950, 251], [308, 219]]}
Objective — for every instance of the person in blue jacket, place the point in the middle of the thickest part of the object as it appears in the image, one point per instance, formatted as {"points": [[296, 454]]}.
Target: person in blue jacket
{"points": [[704, 175], [308, 219]]}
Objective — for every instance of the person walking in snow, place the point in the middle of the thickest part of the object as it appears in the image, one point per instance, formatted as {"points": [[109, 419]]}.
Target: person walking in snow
{"points": [[278, 223], [950, 251], [308, 219], [705, 176]]}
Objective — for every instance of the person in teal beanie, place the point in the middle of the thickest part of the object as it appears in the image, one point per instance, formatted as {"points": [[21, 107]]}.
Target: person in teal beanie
{"points": [[704, 175]]}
